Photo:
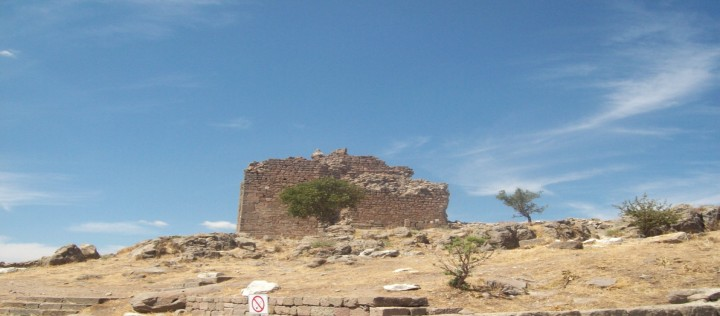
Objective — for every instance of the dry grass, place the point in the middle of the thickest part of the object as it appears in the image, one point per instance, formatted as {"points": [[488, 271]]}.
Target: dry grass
{"points": [[645, 274]]}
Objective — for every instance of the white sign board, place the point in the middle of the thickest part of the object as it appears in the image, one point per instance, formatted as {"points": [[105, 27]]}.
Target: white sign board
{"points": [[258, 304]]}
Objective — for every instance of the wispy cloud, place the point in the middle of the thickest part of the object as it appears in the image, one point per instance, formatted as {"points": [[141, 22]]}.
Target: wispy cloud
{"points": [[593, 211], [652, 65], [135, 19], [403, 145], [8, 53], [219, 225], [20, 252], [17, 189], [236, 123], [126, 228], [661, 64], [698, 188], [659, 132]]}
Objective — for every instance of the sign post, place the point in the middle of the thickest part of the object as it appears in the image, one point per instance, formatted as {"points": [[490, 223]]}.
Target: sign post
{"points": [[258, 304]]}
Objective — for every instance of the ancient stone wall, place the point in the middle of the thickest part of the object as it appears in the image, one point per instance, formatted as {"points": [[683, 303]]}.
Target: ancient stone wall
{"points": [[392, 197], [312, 306]]}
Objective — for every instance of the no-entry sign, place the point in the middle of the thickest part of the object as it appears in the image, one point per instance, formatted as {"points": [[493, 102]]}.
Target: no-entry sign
{"points": [[258, 304]]}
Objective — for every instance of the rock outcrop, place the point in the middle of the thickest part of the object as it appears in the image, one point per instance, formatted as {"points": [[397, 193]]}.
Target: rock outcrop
{"points": [[69, 254], [188, 248]]}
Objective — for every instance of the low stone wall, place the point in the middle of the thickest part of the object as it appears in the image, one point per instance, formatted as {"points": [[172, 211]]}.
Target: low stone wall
{"points": [[698, 309], [311, 306]]}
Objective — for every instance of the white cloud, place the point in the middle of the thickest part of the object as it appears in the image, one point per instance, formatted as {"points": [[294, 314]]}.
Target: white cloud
{"points": [[154, 223], [8, 53], [219, 225], [126, 228], [19, 252], [236, 123]]}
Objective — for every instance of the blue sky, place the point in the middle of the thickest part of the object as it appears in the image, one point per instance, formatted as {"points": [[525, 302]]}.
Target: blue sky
{"points": [[125, 120]]}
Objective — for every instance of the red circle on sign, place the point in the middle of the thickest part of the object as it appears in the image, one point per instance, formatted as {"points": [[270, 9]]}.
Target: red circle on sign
{"points": [[258, 304]]}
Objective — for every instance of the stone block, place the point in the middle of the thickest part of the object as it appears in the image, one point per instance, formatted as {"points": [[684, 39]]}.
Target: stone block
{"points": [[286, 310], [73, 307], [311, 301], [322, 311], [383, 301], [351, 302], [239, 300], [303, 310], [335, 301], [389, 311], [50, 306], [359, 312]]}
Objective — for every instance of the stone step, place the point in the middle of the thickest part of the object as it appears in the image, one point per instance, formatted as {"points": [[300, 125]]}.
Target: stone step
{"points": [[34, 312], [53, 306], [49, 305]]}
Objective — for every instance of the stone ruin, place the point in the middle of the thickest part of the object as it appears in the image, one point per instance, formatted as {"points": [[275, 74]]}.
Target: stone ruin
{"points": [[392, 197]]}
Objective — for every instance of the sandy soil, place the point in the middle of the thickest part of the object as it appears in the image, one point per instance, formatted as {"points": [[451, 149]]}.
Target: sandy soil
{"points": [[645, 274]]}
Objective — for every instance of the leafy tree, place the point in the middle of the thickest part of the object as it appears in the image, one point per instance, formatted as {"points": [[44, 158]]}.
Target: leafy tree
{"points": [[321, 198], [522, 202], [463, 259], [650, 216]]}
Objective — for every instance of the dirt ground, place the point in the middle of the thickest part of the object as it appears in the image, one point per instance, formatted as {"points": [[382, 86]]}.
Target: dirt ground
{"points": [[557, 278]]}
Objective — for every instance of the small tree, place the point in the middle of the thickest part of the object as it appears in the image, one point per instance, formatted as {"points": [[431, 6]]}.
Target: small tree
{"points": [[321, 198], [522, 202], [463, 259], [650, 216]]}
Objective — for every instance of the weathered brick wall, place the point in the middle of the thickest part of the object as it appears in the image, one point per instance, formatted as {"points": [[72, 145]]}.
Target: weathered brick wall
{"points": [[311, 306], [392, 199]]}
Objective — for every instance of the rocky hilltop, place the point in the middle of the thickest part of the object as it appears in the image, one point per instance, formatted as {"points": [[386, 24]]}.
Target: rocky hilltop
{"points": [[571, 264]]}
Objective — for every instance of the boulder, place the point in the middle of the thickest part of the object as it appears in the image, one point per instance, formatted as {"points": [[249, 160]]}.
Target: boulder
{"points": [[691, 295], [89, 251], [316, 262], [167, 301], [691, 222], [259, 287], [531, 243], [508, 235], [422, 238], [568, 229], [507, 286], [711, 216], [189, 248], [401, 287], [402, 232], [66, 254], [568, 244], [673, 238], [381, 253]]}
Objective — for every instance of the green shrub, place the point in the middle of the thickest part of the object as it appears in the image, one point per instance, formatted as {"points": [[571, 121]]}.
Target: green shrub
{"points": [[651, 217], [321, 198], [464, 255]]}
